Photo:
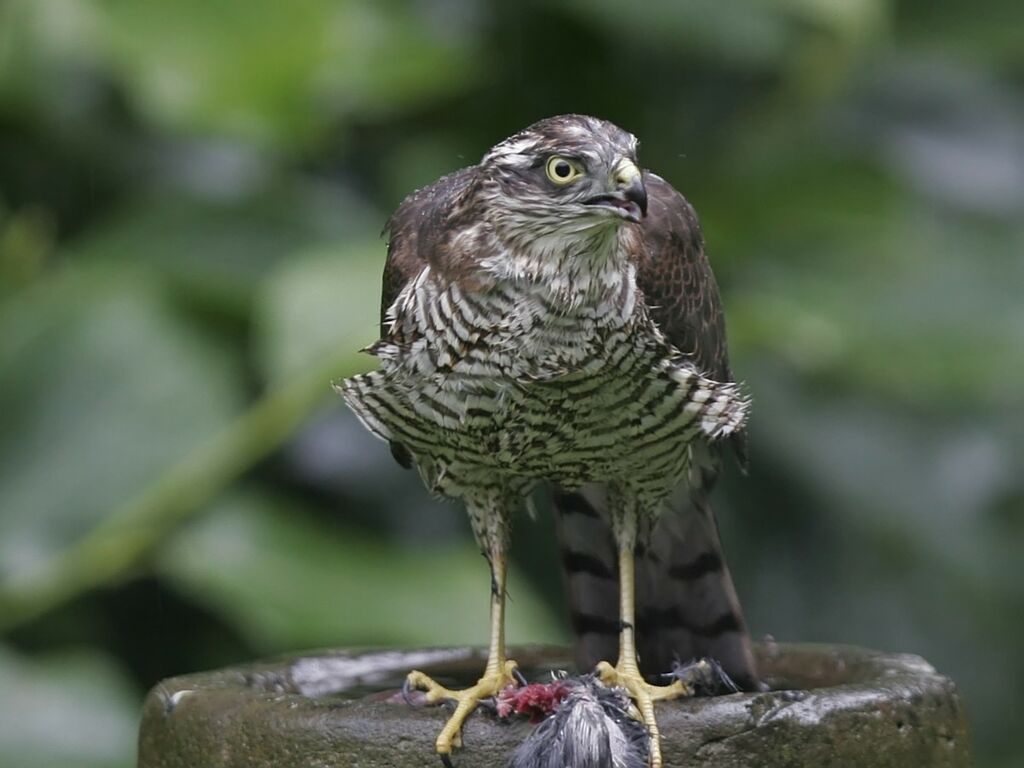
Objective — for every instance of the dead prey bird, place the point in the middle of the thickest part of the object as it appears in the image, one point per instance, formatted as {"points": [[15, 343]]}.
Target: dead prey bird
{"points": [[584, 724]]}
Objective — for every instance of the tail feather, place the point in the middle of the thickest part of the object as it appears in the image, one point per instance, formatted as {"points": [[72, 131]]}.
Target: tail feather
{"points": [[687, 607], [591, 571], [686, 602]]}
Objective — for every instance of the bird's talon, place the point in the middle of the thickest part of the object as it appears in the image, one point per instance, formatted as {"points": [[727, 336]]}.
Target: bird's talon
{"points": [[643, 696], [434, 693], [446, 761], [464, 701]]}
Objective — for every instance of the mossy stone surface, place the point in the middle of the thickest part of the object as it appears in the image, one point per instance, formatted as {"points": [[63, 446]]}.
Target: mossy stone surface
{"points": [[830, 706]]}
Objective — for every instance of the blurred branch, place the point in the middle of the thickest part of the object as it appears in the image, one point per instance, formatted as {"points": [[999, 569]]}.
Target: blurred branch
{"points": [[132, 530]]}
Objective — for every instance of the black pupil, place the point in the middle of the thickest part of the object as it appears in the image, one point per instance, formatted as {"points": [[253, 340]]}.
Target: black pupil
{"points": [[562, 169]]}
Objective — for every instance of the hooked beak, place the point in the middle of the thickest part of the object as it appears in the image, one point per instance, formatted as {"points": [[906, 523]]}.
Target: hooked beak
{"points": [[629, 198]]}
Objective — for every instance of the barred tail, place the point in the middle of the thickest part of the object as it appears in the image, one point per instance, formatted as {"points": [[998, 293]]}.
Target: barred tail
{"points": [[591, 573], [687, 606], [686, 603]]}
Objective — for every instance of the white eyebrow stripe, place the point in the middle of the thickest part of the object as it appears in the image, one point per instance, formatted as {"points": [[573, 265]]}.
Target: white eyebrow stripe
{"points": [[510, 148]]}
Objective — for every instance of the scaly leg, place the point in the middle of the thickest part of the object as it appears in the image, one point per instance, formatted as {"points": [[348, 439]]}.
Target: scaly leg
{"points": [[626, 672], [499, 672]]}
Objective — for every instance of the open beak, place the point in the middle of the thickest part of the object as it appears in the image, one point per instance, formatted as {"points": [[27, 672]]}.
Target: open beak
{"points": [[629, 198]]}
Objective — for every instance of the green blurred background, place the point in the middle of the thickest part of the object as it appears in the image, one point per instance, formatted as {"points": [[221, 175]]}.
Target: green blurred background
{"points": [[191, 196]]}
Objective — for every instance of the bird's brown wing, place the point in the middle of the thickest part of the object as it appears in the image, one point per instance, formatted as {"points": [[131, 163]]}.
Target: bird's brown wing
{"points": [[686, 603], [679, 287], [420, 233]]}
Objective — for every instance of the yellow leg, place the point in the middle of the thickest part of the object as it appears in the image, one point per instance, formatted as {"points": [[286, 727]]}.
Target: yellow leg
{"points": [[626, 672], [499, 672]]}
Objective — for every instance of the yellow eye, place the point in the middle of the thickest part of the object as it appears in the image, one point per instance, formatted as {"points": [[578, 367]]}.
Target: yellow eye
{"points": [[562, 170]]}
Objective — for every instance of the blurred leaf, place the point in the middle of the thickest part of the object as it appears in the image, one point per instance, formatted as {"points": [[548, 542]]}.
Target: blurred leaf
{"points": [[833, 267], [926, 328], [103, 387], [191, 65], [63, 710], [988, 33], [26, 240], [930, 483], [320, 303], [289, 582], [36, 41], [218, 251], [744, 32]]}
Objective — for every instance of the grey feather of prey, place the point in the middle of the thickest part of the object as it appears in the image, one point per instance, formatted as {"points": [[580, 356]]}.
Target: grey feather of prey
{"points": [[591, 728]]}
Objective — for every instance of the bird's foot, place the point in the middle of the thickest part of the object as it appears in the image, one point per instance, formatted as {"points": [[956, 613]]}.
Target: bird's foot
{"points": [[466, 700], [644, 695]]}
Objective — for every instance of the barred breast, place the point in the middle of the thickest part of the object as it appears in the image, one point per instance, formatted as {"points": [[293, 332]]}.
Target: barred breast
{"points": [[512, 386]]}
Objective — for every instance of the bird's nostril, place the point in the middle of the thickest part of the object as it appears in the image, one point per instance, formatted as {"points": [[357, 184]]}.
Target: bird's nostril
{"points": [[626, 173]]}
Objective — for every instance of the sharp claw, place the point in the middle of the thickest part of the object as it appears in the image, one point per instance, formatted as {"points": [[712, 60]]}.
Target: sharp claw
{"points": [[729, 683], [491, 705], [519, 676], [407, 692], [446, 760]]}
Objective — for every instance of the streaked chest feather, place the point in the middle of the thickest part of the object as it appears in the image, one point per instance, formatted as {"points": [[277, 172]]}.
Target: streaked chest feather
{"points": [[541, 379]]}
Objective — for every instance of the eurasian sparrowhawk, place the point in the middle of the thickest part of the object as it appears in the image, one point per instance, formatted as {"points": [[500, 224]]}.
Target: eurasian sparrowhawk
{"points": [[549, 317]]}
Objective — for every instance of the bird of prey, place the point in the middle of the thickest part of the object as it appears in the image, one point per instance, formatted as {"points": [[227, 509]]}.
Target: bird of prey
{"points": [[549, 318]]}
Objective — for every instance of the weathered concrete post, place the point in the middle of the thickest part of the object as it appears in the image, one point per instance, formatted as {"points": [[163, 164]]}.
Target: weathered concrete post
{"points": [[829, 706]]}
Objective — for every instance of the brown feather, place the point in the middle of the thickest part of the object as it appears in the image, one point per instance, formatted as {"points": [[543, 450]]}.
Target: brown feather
{"points": [[420, 232], [679, 287]]}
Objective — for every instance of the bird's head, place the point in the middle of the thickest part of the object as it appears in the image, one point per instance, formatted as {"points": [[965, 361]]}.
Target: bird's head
{"points": [[566, 175]]}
